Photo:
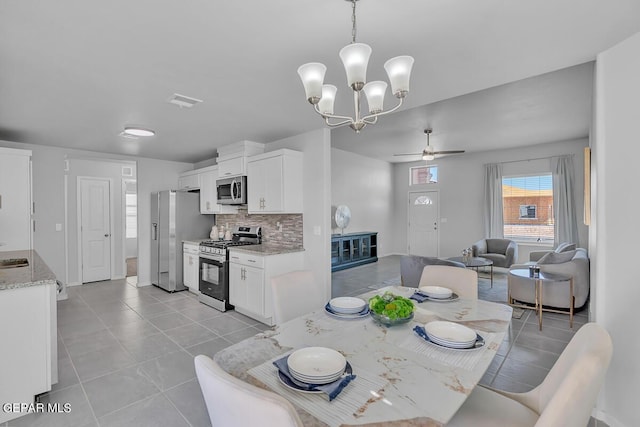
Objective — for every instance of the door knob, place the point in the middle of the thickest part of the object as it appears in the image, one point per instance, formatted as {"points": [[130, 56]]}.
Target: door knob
{"points": [[106, 235]]}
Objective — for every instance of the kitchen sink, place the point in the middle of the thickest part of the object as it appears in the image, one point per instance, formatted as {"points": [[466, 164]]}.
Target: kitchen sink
{"points": [[13, 262]]}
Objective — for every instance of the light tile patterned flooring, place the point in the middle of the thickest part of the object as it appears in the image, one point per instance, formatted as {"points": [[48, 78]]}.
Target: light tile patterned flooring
{"points": [[126, 353]]}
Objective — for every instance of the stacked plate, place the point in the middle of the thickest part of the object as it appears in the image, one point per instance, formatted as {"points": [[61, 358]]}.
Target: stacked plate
{"points": [[347, 305], [437, 292], [316, 365], [449, 334]]}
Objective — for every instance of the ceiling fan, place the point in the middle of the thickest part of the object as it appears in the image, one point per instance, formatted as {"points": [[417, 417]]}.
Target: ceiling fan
{"points": [[429, 153]]}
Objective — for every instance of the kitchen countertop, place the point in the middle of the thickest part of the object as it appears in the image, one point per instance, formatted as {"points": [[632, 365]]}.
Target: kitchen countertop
{"points": [[195, 242], [265, 249], [36, 273]]}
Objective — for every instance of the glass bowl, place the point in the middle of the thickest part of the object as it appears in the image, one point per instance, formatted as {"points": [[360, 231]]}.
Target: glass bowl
{"points": [[384, 320]]}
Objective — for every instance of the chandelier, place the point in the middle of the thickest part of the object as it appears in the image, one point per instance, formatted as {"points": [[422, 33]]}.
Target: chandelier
{"points": [[355, 58]]}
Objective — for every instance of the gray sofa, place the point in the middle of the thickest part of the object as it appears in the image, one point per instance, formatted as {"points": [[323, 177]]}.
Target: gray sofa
{"points": [[411, 267], [555, 294], [503, 252]]}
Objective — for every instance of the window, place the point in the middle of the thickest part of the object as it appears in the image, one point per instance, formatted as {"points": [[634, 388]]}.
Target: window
{"points": [[528, 211], [528, 208], [131, 216], [423, 175]]}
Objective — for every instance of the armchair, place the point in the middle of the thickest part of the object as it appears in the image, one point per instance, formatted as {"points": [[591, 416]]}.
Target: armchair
{"points": [[503, 252], [573, 263]]}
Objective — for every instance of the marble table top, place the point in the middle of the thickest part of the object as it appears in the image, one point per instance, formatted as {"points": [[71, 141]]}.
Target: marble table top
{"points": [[413, 382]]}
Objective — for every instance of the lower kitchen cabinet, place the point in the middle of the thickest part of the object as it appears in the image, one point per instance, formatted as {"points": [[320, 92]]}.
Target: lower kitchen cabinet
{"points": [[250, 280], [190, 267]]}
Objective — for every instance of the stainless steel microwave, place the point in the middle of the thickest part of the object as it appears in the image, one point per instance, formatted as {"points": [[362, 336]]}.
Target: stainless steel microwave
{"points": [[232, 191]]}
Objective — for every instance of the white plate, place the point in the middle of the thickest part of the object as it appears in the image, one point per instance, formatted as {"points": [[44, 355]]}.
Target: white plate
{"points": [[450, 332], [347, 305], [359, 315], [438, 292], [316, 362]]}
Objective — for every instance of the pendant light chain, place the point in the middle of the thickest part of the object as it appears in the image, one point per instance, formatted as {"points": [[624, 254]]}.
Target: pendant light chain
{"points": [[353, 21]]}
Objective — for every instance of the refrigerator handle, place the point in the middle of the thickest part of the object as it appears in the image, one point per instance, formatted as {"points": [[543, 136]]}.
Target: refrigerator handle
{"points": [[155, 231]]}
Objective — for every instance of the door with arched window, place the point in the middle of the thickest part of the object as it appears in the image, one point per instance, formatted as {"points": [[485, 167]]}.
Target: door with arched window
{"points": [[423, 223]]}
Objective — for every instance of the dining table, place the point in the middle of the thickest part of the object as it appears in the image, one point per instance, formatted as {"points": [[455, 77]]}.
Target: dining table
{"points": [[401, 379]]}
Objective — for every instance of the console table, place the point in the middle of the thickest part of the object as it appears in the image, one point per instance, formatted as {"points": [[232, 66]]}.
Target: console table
{"points": [[353, 249]]}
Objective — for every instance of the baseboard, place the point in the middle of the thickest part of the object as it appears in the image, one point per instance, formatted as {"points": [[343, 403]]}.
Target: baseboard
{"points": [[118, 277], [606, 418], [74, 284], [143, 284]]}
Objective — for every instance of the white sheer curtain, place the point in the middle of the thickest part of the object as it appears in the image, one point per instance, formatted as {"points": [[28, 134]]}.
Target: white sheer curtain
{"points": [[493, 217], [564, 206]]}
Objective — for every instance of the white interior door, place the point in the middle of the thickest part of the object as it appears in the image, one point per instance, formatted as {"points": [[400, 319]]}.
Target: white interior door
{"points": [[95, 229], [423, 223]]}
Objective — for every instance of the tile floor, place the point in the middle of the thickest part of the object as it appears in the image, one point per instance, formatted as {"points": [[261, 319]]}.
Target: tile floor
{"points": [[126, 353]]}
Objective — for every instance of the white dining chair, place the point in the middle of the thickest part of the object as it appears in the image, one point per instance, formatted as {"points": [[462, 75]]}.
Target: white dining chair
{"points": [[462, 281], [564, 399], [234, 403], [294, 294]]}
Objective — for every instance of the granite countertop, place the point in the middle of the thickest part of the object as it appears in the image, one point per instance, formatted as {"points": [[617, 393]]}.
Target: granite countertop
{"points": [[36, 273], [266, 249]]}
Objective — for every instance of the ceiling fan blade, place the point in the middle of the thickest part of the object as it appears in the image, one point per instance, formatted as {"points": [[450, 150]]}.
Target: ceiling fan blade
{"points": [[408, 154], [448, 152]]}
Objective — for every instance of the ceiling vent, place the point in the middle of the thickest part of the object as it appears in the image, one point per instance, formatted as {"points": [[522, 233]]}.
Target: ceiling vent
{"points": [[183, 101]]}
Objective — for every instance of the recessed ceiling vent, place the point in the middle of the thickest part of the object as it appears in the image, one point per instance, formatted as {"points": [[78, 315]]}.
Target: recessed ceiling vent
{"points": [[183, 101]]}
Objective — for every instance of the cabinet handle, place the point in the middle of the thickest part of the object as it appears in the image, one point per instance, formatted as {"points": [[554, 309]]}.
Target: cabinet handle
{"points": [[251, 260]]}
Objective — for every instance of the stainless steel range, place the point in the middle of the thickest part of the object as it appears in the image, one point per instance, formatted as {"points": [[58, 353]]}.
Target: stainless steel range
{"points": [[214, 266]]}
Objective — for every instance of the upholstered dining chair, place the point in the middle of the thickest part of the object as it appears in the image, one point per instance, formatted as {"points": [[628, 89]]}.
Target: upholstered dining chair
{"points": [[294, 294], [462, 281], [564, 399], [235, 403], [411, 267]]}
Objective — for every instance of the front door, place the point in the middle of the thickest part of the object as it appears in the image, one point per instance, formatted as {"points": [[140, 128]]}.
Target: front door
{"points": [[423, 223], [95, 229]]}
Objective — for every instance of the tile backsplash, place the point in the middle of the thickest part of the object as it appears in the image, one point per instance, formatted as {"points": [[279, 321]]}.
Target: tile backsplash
{"points": [[289, 237]]}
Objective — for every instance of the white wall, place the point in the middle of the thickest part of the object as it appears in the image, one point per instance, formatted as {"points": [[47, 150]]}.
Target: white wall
{"points": [[614, 245], [365, 185], [316, 146], [460, 185], [48, 195]]}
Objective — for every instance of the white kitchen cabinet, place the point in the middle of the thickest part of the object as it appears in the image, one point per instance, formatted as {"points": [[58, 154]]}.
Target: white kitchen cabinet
{"points": [[15, 199], [275, 182], [189, 180], [250, 281], [209, 193], [232, 158], [29, 344], [190, 266]]}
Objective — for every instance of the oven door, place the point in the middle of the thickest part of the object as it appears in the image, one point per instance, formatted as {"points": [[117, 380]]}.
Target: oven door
{"points": [[213, 282]]}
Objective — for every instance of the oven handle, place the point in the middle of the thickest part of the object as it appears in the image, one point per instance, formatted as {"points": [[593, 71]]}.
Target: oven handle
{"points": [[212, 258]]}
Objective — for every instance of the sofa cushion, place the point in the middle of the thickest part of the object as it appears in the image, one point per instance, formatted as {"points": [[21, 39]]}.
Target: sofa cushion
{"points": [[565, 247], [557, 257]]}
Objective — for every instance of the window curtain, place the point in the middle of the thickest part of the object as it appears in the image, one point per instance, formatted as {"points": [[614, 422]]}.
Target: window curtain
{"points": [[564, 206], [493, 215]]}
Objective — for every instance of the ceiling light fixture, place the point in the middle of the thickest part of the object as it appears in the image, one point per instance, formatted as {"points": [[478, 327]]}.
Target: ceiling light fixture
{"points": [[138, 131], [355, 58]]}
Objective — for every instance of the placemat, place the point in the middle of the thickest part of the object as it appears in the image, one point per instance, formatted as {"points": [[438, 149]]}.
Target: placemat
{"points": [[465, 359], [337, 412]]}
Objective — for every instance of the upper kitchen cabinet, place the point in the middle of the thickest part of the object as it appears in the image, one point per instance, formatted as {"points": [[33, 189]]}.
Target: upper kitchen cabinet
{"points": [[274, 182], [189, 180], [232, 158], [209, 194], [15, 199]]}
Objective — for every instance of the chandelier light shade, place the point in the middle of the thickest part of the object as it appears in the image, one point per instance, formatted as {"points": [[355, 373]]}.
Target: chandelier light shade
{"points": [[355, 58], [138, 131]]}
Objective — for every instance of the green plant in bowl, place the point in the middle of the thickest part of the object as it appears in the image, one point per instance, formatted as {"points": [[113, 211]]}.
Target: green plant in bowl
{"points": [[390, 309]]}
